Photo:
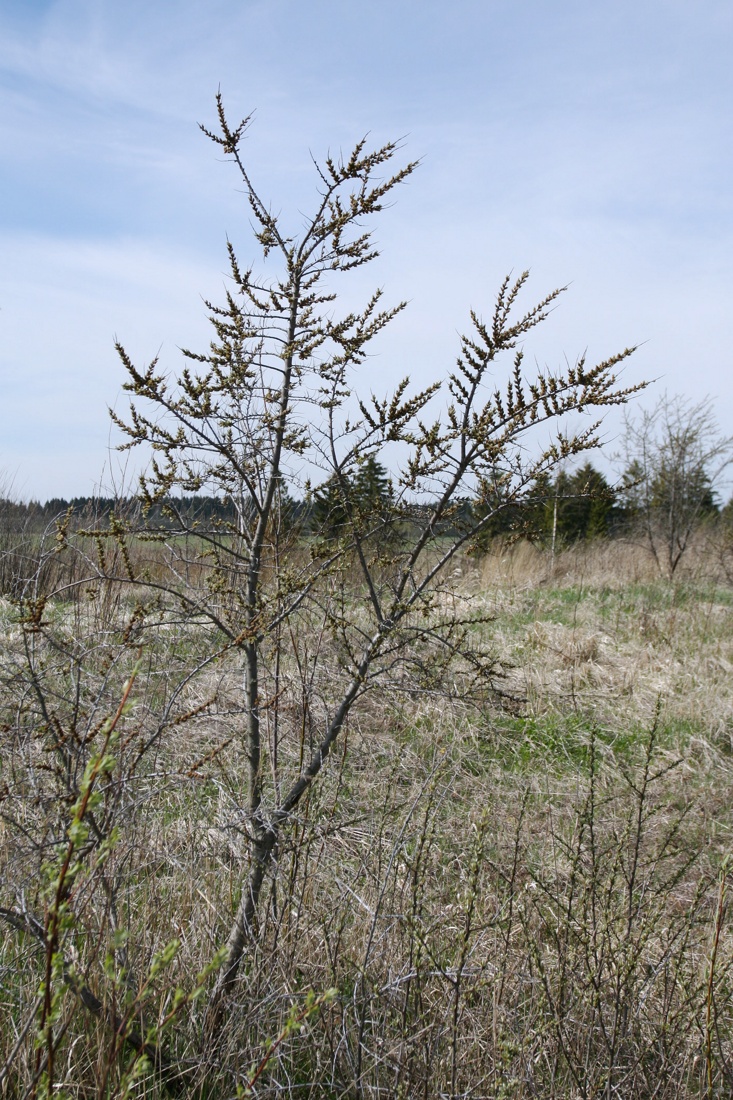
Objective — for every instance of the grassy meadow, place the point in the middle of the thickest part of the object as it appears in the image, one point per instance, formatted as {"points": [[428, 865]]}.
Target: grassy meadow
{"points": [[516, 892]]}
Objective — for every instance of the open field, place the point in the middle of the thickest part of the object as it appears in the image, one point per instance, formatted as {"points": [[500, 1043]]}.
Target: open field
{"points": [[518, 891]]}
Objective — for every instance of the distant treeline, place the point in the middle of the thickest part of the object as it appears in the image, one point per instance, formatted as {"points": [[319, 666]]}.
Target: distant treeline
{"points": [[571, 507], [94, 511]]}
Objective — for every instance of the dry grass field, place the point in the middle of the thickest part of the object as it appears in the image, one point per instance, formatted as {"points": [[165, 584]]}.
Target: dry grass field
{"points": [[520, 893]]}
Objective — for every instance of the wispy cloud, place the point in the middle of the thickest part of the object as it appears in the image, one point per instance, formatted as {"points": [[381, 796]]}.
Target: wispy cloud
{"points": [[590, 143]]}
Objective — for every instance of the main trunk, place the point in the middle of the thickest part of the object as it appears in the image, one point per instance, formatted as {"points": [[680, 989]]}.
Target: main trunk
{"points": [[242, 930]]}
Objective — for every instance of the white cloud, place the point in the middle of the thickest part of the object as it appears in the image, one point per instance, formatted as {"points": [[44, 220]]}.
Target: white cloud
{"points": [[591, 144], [63, 308]]}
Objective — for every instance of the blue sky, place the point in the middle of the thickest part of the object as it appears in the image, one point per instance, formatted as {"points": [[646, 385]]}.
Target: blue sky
{"points": [[588, 142]]}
